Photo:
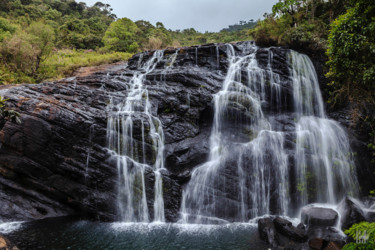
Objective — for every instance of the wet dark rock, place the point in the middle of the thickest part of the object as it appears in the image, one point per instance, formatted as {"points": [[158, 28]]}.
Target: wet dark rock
{"points": [[267, 231], [56, 162], [326, 235], [5, 244], [287, 229], [370, 216], [280, 233], [316, 243], [351, 212], [318, 216]]}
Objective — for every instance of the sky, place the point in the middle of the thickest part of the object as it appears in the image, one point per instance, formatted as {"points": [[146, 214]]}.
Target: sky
{"points": [[202, 15]]}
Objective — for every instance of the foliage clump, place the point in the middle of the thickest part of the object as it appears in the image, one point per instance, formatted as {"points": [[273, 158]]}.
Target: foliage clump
{"points": [[363, 231], [351, 62], [8, 114]]}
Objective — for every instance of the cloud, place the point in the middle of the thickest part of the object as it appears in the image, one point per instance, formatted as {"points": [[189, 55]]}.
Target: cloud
{"points": [[202, 15]]}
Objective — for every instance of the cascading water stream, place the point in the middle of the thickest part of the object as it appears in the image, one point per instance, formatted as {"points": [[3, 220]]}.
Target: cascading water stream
{"points": [[323, 156], [248, 171], [130, 152]]}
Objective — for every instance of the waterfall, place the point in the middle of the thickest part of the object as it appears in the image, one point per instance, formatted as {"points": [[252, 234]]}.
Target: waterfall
{"points": [[249, 172], [324, 163], [132, 151]]}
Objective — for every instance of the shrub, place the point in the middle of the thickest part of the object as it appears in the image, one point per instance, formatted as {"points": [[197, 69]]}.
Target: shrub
{"points": [[365, 229]]}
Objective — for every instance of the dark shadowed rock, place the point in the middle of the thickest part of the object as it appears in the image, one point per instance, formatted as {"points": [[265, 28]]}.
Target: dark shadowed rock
{"points": [[318, 216], [267, 231], [325, 236], [316, 243], [287, 229], [351, 212], [5, 244], [280, 233]]}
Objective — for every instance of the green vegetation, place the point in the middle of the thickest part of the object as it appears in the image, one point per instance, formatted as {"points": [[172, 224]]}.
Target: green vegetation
{"points": [[299, 24], [65, 62], [8, 114], [363, 231], [121, 36], [351, 55], [32, 33]]}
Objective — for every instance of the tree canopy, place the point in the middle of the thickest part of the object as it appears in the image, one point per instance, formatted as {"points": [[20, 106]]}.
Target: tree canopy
{"points": [[121, 36]]}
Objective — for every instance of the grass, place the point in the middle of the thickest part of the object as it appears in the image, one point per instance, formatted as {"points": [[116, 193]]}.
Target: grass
{"points": [[64, 63], [60, 64]]}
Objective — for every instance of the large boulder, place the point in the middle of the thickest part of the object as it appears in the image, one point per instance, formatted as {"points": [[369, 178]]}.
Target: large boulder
{"points": [[280, 233], [351, 212], [314, 216]]}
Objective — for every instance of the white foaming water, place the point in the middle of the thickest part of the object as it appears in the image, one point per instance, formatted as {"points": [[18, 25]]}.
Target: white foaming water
{"points": [[249, 177], [9, 227], [130, 151], [92, 129], [182, 229]]}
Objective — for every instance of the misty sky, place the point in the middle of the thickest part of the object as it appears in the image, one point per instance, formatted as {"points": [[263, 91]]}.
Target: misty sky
{"points": [[202, 15]]}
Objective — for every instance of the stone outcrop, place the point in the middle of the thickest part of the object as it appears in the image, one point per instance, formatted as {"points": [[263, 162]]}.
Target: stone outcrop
{"points": [[56, 163], [351, 213], [319, 216], [282, 234]]}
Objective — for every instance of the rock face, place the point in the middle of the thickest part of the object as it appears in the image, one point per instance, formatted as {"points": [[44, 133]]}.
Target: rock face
{"points": [[56, 162]]}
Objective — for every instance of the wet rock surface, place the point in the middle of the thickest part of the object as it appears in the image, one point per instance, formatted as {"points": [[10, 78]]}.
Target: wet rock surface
{"points": [[280, 233], [351, 212], [5, 244], [56, 162], [319, 216]]}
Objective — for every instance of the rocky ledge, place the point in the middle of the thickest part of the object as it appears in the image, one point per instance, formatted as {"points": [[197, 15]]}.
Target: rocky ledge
{"points": [[56, 162]]}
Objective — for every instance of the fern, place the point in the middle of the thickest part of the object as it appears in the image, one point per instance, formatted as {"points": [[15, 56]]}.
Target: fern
{"points": [[358, 230]]}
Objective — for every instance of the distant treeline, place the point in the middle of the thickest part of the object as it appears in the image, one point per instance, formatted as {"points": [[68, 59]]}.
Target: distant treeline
{"points": [[241, 26]]}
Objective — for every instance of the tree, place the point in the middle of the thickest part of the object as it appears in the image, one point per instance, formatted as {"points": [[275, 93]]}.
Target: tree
{"points": [[287, 7], [6, 29], [351, 50], [351, 55], [121, 36], [25, 50], [42, 38]]}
